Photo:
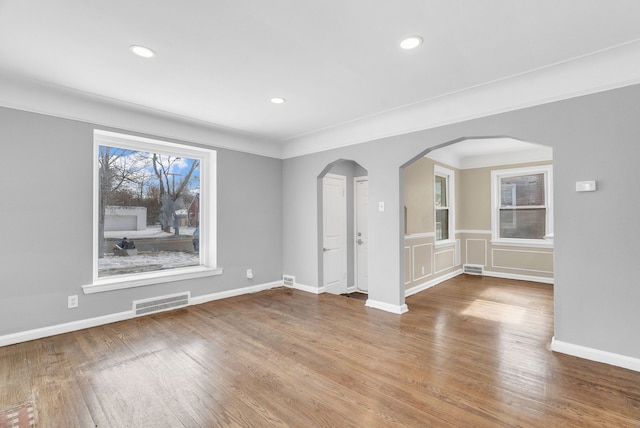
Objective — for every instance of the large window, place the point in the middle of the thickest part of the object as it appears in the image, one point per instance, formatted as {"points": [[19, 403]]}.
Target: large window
{"points": [[154, 211], [522, 205], [443, 201]]}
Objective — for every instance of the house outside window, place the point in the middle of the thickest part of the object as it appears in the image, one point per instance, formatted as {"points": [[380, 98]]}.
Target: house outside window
{"points": [[444, 204], [522, 210], [150, 196]]}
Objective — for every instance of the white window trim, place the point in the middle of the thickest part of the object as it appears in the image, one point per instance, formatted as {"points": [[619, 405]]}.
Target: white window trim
{"points": [[208, 226], [451, 198], [496, 175]]}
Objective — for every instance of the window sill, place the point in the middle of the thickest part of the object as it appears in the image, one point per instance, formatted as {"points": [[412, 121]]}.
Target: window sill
{"points": [[140, 280], [420, 235], [444, 243], [522, 243]]}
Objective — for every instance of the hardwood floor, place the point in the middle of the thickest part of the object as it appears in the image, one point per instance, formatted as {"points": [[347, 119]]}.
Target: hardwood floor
{"points": [[472, 352]]}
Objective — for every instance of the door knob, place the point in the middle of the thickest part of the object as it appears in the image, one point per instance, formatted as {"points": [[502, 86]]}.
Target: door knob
{"points": [[360, 242]]}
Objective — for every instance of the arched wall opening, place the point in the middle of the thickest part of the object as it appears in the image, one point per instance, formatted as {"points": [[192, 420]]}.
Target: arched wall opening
{"points": [[480, 205]]}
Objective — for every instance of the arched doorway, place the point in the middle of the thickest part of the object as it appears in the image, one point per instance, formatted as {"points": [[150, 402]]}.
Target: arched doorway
{"points": [[342, 227], [479, 205]]}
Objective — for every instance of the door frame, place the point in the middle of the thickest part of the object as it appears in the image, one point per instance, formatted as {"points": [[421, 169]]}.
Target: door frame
{"points": [[356, 278]]}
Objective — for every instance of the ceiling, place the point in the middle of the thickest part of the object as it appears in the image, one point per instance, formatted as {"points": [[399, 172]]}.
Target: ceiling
{"points": [[337, 62], [486, 152]]}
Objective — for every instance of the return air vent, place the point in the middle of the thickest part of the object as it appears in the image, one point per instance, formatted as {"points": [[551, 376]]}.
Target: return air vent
{"points": [[159, 304], [473, 269], [288, 280]]}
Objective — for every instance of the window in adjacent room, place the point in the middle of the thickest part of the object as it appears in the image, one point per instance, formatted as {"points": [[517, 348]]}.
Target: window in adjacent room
{"points": [[154, 210], [522, 204], [443, 201]]}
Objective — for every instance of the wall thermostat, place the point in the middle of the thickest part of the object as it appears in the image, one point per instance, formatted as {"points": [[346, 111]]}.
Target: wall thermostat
{"points": [[585, 186]]}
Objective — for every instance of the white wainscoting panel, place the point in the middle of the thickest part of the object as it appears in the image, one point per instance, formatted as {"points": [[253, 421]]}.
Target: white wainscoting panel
{"points": [[447, 256], [424, 259], [480, 246], [522, 266]]}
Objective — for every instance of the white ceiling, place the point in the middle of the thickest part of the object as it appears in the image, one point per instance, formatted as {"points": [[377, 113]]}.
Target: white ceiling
{"points": [[337, 62], [485, 152]]}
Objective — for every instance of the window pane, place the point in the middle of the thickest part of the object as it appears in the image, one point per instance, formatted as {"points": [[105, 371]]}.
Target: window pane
{"points": [[523, 223], [441, 191], [442, 224], [149, 211], [524, 190]]}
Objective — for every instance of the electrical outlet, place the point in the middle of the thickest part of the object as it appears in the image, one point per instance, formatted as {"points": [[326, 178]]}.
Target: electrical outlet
{"points": [[250, 273], [72, 302]]}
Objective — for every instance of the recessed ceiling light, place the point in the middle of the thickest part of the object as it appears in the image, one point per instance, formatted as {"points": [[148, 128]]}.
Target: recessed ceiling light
{"points": [[278, 100], [411, 42], [142, 51]]}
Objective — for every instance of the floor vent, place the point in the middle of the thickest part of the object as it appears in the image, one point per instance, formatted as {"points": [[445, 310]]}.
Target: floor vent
{"points": [[288, 280], [159, 304], [473, 269]]}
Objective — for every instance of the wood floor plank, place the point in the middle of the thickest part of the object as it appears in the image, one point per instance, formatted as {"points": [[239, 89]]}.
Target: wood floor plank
{"points": [[472, 352]]}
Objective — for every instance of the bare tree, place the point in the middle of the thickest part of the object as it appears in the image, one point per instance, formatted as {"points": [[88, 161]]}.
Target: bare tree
{"points": [[118, 169], [143, 181], [170, 195]]}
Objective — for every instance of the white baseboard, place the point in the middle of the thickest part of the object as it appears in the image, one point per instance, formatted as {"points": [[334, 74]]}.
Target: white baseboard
{"points": [[308, 288], [39, 333], [542, 279], [395, 309], [235, 292], [53, 330], [418, 288], [595, 355]]}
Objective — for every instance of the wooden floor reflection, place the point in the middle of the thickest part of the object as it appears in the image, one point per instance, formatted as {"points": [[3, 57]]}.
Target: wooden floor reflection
{"points": [[470, 352]]}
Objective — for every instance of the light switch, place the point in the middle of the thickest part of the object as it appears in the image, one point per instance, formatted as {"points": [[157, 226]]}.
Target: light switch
{"points": [[381, 206], [585, 186]]}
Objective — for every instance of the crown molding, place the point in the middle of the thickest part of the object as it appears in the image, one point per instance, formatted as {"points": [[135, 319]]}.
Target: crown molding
{"points": [[604, 70], [600, 71], [53, 100], [540, 154]]}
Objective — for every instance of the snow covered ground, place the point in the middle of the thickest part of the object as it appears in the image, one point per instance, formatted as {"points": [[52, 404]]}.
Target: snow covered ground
{"points": [[149, 232], [111, 264], [145, 262]]}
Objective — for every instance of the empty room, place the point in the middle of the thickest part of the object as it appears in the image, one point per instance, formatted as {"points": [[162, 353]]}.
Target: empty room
{"points": [[342, 213]]}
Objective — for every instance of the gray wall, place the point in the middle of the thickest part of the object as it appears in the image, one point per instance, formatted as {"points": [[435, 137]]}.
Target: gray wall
{"points": [[47, 180], [596, 234], [268, 207]]}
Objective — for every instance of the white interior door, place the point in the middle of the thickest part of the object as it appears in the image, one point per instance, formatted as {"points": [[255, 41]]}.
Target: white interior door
{"points": [[334, 242], [362, 234]]}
